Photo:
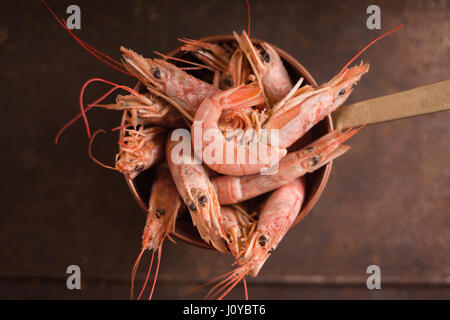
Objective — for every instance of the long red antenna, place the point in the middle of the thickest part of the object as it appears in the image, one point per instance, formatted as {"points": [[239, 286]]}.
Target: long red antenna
{"points": [[248, 10], [369, 45], [84, 110], [88, 47], [133, 272], [156, 271], [245, 289], [148, 275]]}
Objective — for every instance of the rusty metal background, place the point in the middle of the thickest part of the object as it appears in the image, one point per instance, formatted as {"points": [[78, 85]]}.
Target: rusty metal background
{"points": [[387, 201]]}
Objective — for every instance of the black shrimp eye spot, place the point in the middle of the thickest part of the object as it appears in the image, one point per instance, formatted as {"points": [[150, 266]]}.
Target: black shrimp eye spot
{"points": [[314, 160], [192, 206], [139, 167], [271, 250], [160, 212], [228, 82], [202, 200], [265, 56], [157, 73], [226, 245], [342, 92], [262, 240]]}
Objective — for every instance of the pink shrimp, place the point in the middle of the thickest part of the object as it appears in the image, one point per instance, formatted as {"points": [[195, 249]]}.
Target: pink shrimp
{"points": [[197, 192], [287, 124], [231, 156], [140, 149], [234, 189], [267, 66], [184, 91], [237, 224], [294, 116], [164, 205], [276, 217]]}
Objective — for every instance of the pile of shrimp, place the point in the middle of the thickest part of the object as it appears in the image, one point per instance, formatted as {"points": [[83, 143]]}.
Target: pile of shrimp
{"points": [[243, 87]]}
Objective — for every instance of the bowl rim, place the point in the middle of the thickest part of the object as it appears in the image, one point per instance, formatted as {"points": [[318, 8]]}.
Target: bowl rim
{"points": [[328, 122]]}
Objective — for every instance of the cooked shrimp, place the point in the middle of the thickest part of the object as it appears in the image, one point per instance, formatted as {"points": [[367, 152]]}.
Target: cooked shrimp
{"points": [[293, 117], [288, 121], [234, 189], [164, 205], [182, 90], [230, 155], [237, 224], [140, 149], [276, 217], [267, 66], [197, 192]]}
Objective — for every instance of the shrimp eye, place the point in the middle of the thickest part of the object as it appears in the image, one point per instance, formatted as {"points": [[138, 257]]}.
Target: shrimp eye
{"points": [[139, 167], [159, 213], [202, 200], [342, 92], [192, 206], [265, 56], [314, 160], [226, 245], [228, 82], [262, 240], [157, 73]]}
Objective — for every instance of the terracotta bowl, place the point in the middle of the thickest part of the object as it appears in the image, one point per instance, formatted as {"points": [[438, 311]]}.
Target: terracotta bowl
{"points": [[140, 187]]}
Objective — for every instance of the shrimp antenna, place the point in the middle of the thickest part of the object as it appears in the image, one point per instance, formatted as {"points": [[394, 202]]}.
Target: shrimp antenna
{"points": [[84, 110], [229, 276], [148, 275], [90, 151], [369, 45], [157, 269], [88, 47], [90, 106], [201, 66], [226, 275], [207, 283], [228, 283], [248, 12], [350, 132], [133, 273]]}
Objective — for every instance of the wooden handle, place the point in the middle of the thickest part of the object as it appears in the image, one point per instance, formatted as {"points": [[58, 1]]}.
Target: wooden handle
{"points": [[422, 100]]}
